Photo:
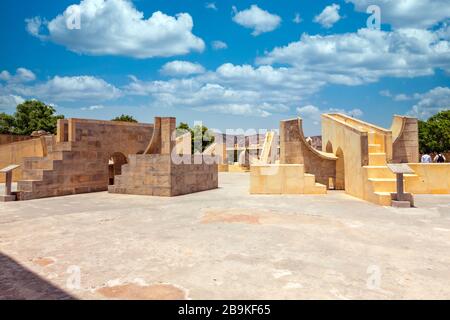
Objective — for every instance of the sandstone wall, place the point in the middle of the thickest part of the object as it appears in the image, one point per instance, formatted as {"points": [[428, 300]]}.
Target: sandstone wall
{"points": [[14, 153], [10, 138], [294, 149], [405, 131], [78, 162]]}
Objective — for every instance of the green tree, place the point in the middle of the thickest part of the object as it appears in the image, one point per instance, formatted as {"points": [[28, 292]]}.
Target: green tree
{"points": [[6, 123], [198, 133], [434, 134], [31, 115], [125, 118]]}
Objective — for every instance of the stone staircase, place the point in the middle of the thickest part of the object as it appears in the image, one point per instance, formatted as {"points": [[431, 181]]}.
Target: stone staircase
{"points": [[313, 187], [381, 180], [42, 172], [63, 171]]}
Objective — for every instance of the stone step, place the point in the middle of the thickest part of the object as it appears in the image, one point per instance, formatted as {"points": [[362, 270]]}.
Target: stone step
{"points": [[383, 198], [378, 172], [377, 159], [33, 174], [383, 184], [375, 148], [61, 155], [63, 146], [26, 185]]}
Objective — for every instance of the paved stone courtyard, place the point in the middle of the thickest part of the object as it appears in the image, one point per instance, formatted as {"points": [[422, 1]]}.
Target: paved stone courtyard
{"points": [[224, 244]]}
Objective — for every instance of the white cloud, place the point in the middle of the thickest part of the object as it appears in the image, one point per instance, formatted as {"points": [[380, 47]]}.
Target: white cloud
{"points": [[181, 68], [233, 89], [313, 113], [400, 96], [115, 27], [297, 19], [408, 13], [67, 89], [5, 75], [92, 108], [22, 75], [257, 19], [219, 45], [34, 26], [10, 101], [431, 102], [329, 16], [211, 5], [365, 56]]}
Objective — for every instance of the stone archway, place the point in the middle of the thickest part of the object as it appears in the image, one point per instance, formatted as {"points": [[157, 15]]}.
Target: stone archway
{"points": [[116, 161], [329, 147], [340, 170]]}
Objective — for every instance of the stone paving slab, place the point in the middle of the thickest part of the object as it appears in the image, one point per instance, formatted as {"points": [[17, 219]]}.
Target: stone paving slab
{"points": [[224, 244]]}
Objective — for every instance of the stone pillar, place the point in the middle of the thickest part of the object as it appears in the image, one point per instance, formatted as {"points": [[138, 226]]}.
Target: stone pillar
{"points": [[291, 149], [168, 135]]}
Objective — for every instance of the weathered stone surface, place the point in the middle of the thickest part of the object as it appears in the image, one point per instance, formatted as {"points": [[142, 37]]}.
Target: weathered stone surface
{"points": [[157, 174], [78, 159]]}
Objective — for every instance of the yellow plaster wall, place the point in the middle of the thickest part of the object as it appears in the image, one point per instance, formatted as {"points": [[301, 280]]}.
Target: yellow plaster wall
{"points": [[354, 146], [432, 178], [283, 179]]}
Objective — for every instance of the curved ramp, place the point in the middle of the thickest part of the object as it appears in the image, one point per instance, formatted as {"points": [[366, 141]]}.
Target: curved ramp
{"points": [[294, 149]]}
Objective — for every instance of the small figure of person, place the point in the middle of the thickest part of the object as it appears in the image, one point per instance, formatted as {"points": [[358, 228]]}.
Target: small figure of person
{"points": [[439, 158], [426, 158]]}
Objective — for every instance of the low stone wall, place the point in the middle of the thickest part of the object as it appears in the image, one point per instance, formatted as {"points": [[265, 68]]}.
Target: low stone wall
{"points": [[10, 138], [432, 178], [158, 175], [283, 179], [14, 153]]}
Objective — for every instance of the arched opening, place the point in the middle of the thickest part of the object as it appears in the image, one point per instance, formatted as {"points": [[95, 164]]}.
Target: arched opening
{"points": [[116, 161], [329, 147], [340, 170]]}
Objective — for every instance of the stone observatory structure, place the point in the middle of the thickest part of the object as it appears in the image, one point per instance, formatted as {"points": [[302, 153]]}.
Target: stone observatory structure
{"points": [[302, 169], [365, 150], [79, 158], [161, 171]]}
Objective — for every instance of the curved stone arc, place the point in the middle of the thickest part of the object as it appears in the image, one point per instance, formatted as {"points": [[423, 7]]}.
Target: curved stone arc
{"points": [[154, 146], [294, 149]]}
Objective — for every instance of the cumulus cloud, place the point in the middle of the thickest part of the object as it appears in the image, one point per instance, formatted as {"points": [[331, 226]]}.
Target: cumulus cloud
{"points": [[181, 68], [257, 19], [431, 102], [329, 16], [234, 89], [115, 27], [66, 89], [400, 96], [219, 45], [365, 56], [21, 75], [10, 101], [408, 13], [92, 108], [314, 113]]}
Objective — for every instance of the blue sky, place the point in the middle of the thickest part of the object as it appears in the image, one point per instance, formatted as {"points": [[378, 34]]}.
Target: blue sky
{"points": [[276, 59]]}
